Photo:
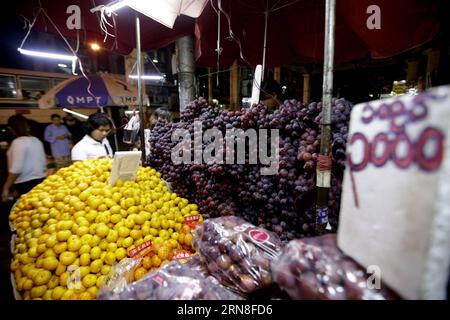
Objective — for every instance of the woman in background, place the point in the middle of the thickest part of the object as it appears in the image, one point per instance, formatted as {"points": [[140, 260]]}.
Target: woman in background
{"points": [[27, 163]]}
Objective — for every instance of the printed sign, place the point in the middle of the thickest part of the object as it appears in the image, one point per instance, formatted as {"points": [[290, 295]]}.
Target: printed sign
{"points": [[181, 255], [395, 211], [141, 249], [159, 279], [191, 221]]}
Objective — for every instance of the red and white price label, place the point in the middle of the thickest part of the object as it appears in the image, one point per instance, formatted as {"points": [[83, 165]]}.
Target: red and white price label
{"points": [[140, 248], [259, 236], [159, 279], [181, 254], [191, 221]]}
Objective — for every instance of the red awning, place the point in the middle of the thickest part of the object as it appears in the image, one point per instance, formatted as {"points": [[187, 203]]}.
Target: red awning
{"points": [[153, 34], [295, 31]]}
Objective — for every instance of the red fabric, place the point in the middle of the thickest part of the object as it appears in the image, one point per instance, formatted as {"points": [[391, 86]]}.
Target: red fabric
{"points": [[153, 34], [295, 32]]}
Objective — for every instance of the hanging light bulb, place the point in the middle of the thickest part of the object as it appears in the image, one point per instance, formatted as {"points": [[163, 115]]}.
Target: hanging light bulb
{"points": [[95, 46]]}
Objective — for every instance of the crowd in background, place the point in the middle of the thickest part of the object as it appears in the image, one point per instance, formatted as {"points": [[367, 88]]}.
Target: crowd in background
{"points": [[30, 156]]}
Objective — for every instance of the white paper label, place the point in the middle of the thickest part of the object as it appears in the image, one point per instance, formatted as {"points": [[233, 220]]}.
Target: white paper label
{"points": [[125, 166], [391, 202]]}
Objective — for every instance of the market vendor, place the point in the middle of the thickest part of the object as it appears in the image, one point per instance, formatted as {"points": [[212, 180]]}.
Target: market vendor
{"points": [[95, 143]]}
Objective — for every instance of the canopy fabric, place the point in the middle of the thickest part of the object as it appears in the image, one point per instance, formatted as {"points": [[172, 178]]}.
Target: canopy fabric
{"points": [[295, 31], [106, 91], [167, 11], [153, 34]]}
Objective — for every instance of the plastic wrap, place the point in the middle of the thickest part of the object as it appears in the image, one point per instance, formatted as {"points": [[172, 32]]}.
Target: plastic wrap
{"points": [[131, 130], [174, 281], [120, 276], [237, 253], [316, 268]]}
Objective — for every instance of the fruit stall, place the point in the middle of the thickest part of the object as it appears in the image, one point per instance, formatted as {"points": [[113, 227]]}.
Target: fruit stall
{"points": [[235, 229], [227, 231], [74, 218]]}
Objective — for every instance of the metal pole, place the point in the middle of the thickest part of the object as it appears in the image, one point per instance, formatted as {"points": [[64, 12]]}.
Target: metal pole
{"points": [[266, 15], [186, 74], [218, 49], [116, 142], [324, 172], [140, 97]]}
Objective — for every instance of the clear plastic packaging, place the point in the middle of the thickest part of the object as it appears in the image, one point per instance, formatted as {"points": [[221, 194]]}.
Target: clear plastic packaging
{"points": [[119, 277], [131, 130], [315, 268], [174, 281], [237, 253]]}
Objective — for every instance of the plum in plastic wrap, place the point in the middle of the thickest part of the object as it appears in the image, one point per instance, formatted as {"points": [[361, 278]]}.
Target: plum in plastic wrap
{"points": [[174, 281], [237, 253], [315, 268]]}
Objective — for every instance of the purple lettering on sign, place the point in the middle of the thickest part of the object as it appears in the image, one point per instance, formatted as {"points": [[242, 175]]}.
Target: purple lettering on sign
{"points": [[395, 144]]}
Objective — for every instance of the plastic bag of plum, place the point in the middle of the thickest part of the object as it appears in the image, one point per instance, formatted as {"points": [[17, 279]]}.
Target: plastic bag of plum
{"points": [[237, 253], [315, 268], [174, 281]]}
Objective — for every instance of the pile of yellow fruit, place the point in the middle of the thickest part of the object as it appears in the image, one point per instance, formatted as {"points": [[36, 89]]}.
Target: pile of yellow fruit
{"points": [[75, 221]]}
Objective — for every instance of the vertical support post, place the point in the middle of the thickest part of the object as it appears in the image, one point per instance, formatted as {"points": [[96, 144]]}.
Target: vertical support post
{"points": [[277, 74], [306, 87], [210, 86], [140, 96], [433, 60], [266, 15], [323, 173], [186, 67], [116, 142], [412, 73], [234, 86]]}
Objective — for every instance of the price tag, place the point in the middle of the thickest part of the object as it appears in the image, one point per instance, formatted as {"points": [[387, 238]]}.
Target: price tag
{"points": [[142, 249], [395, 212], [192, 221]]}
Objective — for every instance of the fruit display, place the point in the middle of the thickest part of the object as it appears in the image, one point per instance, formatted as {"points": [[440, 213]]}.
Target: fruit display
{"points": [[316, 268], [284, 202], [146, 258], [237, 253], [73, 228], [174, 281]]}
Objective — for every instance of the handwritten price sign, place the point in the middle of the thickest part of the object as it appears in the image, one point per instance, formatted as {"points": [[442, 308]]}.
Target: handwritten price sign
{"points": [[394, 191]]}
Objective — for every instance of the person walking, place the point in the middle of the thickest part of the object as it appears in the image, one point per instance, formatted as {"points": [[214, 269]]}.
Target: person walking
{"points": [[27, 164], [58, 136]]}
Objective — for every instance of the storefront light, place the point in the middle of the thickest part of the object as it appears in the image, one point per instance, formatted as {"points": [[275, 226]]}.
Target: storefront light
{"points": [[47, 55]]}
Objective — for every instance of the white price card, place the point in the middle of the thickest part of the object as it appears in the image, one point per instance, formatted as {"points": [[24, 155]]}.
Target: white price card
{"points": [[125, 166]]}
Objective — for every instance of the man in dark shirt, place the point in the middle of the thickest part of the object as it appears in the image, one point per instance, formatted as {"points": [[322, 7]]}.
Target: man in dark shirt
{"points": [[75, 127]]}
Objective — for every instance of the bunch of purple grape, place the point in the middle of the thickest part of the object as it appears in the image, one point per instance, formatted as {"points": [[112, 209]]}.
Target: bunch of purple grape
{"points": [[283, 202]]}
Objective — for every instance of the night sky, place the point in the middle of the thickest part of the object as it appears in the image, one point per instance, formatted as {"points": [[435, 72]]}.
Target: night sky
{"points": [[11, 35]]}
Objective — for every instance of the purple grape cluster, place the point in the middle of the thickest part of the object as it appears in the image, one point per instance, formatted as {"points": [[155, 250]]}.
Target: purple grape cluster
{"points": [[315, 268], [284, 202]]}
